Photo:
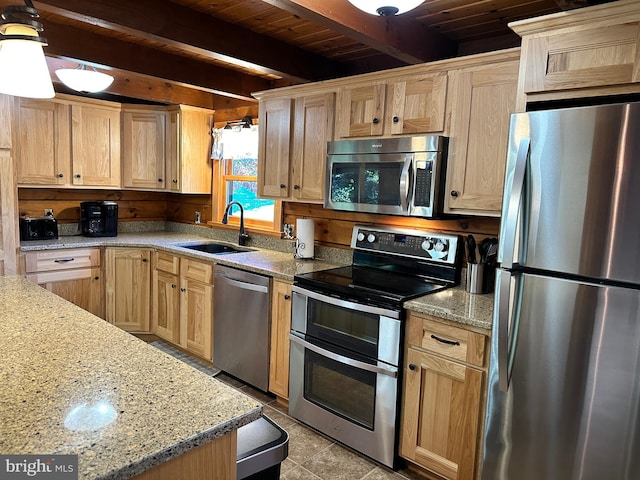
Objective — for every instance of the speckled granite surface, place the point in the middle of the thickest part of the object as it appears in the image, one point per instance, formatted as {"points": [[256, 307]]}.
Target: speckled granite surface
{"points": [[457, 305], [70, 383]]}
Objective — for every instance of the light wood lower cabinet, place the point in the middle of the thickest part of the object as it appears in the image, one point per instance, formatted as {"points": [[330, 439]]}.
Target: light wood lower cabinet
{"points": [[183, 303], [73, 274], [280, 328], [443, 398], [128, 288]]}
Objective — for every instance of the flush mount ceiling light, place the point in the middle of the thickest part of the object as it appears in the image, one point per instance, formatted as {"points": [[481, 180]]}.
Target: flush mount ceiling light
{"points": [[85, 80], [386, 8], [23, 68]]}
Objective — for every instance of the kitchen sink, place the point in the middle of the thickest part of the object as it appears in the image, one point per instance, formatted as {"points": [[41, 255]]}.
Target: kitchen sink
{"points": [[215, 248]]}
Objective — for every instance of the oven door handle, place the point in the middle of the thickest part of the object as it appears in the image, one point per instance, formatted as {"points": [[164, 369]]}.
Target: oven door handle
{"points": [[389, 371], [346, 304]]}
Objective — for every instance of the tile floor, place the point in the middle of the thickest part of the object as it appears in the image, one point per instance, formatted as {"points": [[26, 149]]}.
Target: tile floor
{"points": [[312, 456]]}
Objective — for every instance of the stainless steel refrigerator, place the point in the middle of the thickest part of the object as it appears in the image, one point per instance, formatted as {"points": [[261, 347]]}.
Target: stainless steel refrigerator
{"points": [[564, 377]]}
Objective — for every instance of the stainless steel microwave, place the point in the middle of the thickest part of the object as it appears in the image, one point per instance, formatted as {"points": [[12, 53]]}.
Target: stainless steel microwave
{"points": [[394, 176]]}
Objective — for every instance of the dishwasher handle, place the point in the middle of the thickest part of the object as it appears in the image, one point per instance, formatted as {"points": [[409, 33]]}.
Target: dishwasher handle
{"points": [[243, 285]]}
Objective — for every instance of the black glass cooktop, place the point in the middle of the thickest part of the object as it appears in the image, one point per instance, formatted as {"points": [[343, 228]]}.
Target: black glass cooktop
{"points": [[375, 286]]}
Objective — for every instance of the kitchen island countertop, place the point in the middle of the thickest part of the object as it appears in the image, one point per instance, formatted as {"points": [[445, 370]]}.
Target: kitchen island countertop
{"points": [[70, 383]]}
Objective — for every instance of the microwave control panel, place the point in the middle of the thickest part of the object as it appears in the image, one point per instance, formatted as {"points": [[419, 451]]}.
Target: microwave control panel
{"points": [[424, 176], [434, 246]]}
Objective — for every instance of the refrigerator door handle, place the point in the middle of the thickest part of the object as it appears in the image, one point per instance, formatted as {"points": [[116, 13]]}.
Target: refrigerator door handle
{"points": [[504, 298], [513, 207]]}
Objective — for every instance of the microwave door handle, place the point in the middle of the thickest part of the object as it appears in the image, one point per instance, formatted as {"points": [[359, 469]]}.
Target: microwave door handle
{"points": [[404, 184], [390, 371]]}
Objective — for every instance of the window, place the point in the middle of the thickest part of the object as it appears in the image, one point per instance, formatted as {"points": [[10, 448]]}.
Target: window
{"points": [[235, 179]]}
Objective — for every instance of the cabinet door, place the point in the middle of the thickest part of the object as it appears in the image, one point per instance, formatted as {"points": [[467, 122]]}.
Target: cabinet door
{"points": [[482, 99], [361, 110], [83, 287], [189, 163], [95, 145], [166, 306], [128, 288], [43, 147], [441, 414], [280, 328], [143, 149], [313, 128], [417, 104], [196, 316], [274, 148]]}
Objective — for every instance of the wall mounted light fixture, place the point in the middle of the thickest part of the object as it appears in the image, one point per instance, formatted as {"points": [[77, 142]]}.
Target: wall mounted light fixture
{"points": [[23, 68], [83, 79], [386, 8], [246, 122]]}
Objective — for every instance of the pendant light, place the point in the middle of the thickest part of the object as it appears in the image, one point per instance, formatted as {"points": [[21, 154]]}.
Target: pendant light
{"points": [[23, 68], [83, 79], [386, 8]]}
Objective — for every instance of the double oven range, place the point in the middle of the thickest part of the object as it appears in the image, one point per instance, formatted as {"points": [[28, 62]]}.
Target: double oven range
{"points": [[347, 334]]}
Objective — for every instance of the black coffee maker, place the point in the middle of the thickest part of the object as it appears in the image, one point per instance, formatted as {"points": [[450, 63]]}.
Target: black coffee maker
{"points": [[99, 219]]}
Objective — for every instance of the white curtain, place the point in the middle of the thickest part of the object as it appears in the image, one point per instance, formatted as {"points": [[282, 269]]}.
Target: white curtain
{"points": [[235, 142]]}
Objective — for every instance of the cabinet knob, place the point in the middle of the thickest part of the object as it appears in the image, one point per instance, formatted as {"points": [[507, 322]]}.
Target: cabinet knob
{"points": [[376, 120], [454, 193], [61, 175], [77, 175], [173, 285], [287, 297], [160, 180], [296, 187], [96, 278], [182, 289], [282, 185], [396, 119], [412, 366], [144, 260], [175, 180]]}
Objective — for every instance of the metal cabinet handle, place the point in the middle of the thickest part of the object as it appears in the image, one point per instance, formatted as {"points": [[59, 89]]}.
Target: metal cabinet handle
{"points": [[282, 185], [175, 180], [77, 175], [173, 285], [296, 187], [287, 297], [412, 366], [442, 340], [64, 260], [60, 175], [454, 193], [144, 260], [96, 278], [376, 120], [396, 119], [160, 180], [183, 289]]}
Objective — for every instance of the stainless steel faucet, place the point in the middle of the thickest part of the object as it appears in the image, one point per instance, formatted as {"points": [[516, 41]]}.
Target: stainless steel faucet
{"points": [[242, 237]]}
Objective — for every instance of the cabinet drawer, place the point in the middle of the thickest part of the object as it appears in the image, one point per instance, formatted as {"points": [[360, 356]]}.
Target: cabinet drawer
{"points": [[62, 259], [195, 270], [452, 342], [62, 275], [167, 262]]}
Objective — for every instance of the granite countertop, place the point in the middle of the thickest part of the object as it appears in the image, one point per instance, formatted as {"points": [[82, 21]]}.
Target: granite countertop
{"points": [[457, 305], [268, 262], [71, 383]]}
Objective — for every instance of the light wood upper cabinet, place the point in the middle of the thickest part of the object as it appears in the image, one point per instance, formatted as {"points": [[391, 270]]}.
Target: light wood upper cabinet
{"points": [[65, 143], [280, 328], [189, 140], [482, 99], [128, 288], [293, 145], [587, 52], [43, 146], [144, 144], [403, 105], [95, 145], [73, 274], [443, 397]]}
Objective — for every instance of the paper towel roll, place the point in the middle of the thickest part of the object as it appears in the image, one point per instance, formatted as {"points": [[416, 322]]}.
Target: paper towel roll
{"points": [[304, 238]]}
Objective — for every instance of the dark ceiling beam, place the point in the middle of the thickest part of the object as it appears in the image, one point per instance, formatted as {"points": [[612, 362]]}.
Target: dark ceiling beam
{"points": [[81, 45], [400, 36], [180, 27]]}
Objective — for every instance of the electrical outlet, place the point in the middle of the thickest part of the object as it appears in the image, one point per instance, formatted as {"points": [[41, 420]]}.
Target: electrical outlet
{"points": [[48, 212], [197, 217]]}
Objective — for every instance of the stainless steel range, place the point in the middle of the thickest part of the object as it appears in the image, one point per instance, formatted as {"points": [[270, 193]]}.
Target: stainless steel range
{"points": [[347, 334]]}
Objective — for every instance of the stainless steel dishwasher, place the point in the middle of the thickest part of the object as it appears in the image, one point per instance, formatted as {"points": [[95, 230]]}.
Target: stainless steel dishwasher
{"points": [[241, 325]]}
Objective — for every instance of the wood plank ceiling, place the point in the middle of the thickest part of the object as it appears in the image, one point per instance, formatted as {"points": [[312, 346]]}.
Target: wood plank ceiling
{"points": [[215, 53]]}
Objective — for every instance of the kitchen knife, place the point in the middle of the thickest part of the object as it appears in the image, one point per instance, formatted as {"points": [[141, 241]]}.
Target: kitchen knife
{"points": [[471, 247]]}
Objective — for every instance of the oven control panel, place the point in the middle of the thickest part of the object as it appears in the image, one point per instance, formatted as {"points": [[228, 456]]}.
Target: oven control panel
{"points": [[435, 246]]}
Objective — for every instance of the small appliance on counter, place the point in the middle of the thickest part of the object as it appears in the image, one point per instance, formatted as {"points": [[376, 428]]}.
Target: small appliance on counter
{"points": [[99, 219], [38, 228]]}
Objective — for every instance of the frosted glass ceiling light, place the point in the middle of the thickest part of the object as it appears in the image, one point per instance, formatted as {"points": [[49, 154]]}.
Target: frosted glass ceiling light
{"points": [[83, 80], [386, 8], [23, 68]]}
